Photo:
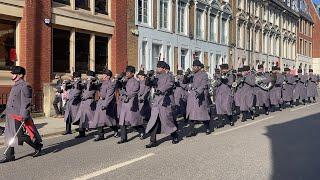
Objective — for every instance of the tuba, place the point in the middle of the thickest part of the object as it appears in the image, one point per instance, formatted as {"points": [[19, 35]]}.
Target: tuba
{"points": [[261, 82]]}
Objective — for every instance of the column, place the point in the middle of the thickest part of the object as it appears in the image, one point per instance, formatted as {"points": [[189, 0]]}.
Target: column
{"points": [[93, 6], [72, 50], [92, 52], [73, 4]]}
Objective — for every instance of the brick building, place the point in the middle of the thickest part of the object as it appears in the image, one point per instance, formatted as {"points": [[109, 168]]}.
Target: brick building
{"points": [[59, 36]]}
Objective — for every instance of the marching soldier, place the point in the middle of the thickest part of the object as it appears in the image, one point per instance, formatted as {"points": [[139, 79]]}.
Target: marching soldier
{"points": [[130, 114], [198, 102], [300, 90], [287, 88], [87, 105], [275, 92], [144, 97], [237, 90], [262, 95], [312, 86], [73, 102], [18, 110], [180, 95], [224, 99], [162, 119], [246, 98], [106, 110]]}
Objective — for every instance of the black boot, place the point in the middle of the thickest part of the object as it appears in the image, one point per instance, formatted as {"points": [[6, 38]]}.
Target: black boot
{"points": [[82, 134], [304, 101], [230, 119], [314, 100], [151, 145], [267, 111], [175, 138], [9, 156], [38, 150], [100, 134], [251, 113], [68, 129], [244, 116]]}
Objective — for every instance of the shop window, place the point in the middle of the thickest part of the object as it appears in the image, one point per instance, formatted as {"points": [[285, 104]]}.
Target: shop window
{"points": [[8, 56], [82, 52], [101, 54], [101, 6], [67, 2], [83, 4], [61, 51]]}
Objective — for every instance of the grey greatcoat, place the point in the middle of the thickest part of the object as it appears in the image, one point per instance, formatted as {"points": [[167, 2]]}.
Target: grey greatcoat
{"points": [[238, 93], [130, 114], [73, 102], [106, 110], [247, 94], [262, 96], [312, 87], [224, 99], [144, 100], [288, 87], [180, 96], [19, 103], [198, 102], [162, 108], [300, 90], [87, 105], [275, 92]]}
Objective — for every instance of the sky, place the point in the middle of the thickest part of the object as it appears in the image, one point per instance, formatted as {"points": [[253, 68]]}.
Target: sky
{"points": [[316, 1]]}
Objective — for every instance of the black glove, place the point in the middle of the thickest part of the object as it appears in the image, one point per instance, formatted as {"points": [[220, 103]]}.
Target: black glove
{"points": [[126, 99], [141, 100], [157, 92]]}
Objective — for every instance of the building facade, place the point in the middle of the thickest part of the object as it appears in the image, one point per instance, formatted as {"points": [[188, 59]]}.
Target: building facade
{"points": [[179, 31], [264, 32], [51, 37], [304, 41]]}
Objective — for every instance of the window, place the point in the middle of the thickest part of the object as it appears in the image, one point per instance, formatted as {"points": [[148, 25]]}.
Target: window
{"points": [[239, 35], [101, 6], [61, 51], [63, 1], [163, 14], [101, 54], [197, 56], [224, 31], [82, 52], [143, 11], [257, 41], [310, 49], [213, 29], [143, 54], [199, 24], [83, 4], [168, 58], [181, 17], [156, 55], [183, 59], [218, 59], [8, 55]]}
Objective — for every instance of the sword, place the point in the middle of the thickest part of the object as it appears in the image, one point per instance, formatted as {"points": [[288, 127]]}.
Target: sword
{"points": [[14, 137]]}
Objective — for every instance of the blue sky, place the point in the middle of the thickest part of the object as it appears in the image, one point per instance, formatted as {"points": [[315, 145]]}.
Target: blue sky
{"points": [[316, 1]]}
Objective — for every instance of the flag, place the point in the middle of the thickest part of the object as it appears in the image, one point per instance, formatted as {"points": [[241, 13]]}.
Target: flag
{"points": [[28, 125]]}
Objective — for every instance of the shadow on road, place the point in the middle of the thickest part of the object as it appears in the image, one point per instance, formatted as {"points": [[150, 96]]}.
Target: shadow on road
{"points": [[296, 148], [41, 125]]}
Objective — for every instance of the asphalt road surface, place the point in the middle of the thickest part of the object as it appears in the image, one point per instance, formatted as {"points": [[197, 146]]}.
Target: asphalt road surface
{"points": [[283, 145]]}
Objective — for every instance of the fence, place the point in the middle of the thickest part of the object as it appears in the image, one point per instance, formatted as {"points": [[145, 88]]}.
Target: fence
{"points": [[36, 103]]}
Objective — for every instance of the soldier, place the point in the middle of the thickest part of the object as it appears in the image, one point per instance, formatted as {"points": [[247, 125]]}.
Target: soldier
{"points": [[57, 102], [130, 114], [87, 105], [224, 99], [162, 119], [73, 102], [198, 102], [106, 110], [312, 86], [275, 92], [287, 88], [246, 98], [300, 90], [180, 95], [237, 90], [262, 95], [18, 110], [144, 97]]}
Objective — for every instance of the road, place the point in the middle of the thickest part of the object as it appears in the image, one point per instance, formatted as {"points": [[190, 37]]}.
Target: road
{"points": [[283, 145]]}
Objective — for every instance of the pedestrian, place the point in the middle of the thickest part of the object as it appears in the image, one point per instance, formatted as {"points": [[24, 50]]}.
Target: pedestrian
{"points": [[73, 102], [275, 92], [57, 102], [312, 86], [162, 119], [130, 114], [18, 110], [198, 102], [224, 99], [300, 90], [88, 104], [105, 114]]}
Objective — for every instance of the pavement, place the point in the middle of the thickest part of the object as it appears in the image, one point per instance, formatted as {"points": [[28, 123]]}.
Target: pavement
{"points": [[283, 145]]}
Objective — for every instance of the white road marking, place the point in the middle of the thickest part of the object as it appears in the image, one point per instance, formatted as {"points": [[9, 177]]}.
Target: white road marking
{"points": [[239, 127], [112, 168], [292, 110]]}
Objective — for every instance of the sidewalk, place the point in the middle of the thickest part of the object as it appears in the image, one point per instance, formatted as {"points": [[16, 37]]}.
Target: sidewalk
{"points": [[46, 127]]}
